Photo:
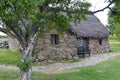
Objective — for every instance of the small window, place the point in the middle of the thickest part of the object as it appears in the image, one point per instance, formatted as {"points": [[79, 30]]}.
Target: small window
{"points": [[54, 39], [100, 41]]}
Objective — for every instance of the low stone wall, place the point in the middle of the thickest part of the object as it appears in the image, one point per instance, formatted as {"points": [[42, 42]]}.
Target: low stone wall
{"points": [[3, 39], [13, 44]]}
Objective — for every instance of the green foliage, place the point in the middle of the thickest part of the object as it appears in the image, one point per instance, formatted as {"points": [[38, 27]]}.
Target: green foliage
{"points": [[24, 66], [12, 12], [114, 20]]}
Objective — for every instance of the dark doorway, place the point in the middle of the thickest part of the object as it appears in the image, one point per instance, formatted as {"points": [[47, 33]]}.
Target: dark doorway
{"points": [[84, 49], [86, 43]]}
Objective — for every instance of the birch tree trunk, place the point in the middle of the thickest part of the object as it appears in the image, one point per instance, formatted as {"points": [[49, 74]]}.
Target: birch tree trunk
{"points": [[25, 74], [26, 60]]}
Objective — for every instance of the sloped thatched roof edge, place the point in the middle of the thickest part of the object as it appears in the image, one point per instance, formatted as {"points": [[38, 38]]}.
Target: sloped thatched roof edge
{"points": [[91, 27]]}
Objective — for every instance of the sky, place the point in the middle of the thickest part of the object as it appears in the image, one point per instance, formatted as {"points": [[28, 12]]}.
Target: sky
{"points": [[96, 5], [99, 4]]}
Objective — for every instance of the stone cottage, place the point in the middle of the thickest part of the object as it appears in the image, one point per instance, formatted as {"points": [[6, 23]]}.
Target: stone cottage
{"points": [[90, 33]]}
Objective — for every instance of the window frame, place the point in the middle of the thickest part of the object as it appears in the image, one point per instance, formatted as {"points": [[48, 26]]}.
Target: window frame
{"points": [[54, 38]]}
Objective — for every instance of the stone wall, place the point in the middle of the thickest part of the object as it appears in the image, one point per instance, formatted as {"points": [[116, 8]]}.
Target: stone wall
{"points": [[3, 39], [96, 47], [13, 44], [66, 49]]}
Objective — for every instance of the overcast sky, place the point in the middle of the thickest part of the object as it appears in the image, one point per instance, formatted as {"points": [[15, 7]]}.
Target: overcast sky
{"points": [[99, 4]]}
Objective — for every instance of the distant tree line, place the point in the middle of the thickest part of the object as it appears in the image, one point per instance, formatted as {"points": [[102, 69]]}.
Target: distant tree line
{"points": [[3, 36]]}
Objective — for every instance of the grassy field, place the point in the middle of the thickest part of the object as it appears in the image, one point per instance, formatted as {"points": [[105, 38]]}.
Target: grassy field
{"points": [[8, 57], [109, 70], [114, 45], [113, 40]]}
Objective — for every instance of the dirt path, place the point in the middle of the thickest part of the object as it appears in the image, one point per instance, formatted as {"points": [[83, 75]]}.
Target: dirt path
{"points": [[88, 61]]}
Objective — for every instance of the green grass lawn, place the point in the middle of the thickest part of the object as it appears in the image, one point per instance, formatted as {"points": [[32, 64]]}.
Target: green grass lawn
{"points": [[113, 40], [8, 57], [109, 70], [114, 45]]}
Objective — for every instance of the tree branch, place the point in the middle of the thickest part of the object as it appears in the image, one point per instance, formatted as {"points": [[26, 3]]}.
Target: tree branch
{"points": [[3, 30], [7, 32], [107, 7], [66, 10], [56, 9]]}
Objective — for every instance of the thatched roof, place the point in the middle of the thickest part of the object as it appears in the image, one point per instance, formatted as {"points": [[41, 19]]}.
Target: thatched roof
{"points": [[91, 27]]}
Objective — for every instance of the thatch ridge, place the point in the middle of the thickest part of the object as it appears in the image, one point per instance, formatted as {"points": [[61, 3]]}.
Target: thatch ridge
{"points": [[91, 27]]}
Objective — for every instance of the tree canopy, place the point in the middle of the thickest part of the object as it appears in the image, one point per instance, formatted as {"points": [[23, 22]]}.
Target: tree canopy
{"points": [[22, 18], [114, 19], [26, 19]]}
